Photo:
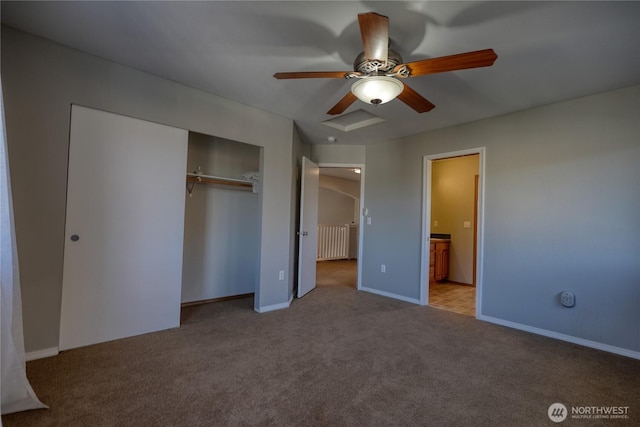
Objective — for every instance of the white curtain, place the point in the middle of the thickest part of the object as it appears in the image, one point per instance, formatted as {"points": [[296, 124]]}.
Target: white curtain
{"points": [[17, 394]]}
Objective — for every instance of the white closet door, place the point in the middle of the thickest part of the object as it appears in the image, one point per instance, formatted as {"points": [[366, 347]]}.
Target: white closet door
{"points": [[124, 228]]}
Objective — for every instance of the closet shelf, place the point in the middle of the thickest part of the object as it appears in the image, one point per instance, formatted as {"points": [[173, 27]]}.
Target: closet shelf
{"points": [[194, 178]]}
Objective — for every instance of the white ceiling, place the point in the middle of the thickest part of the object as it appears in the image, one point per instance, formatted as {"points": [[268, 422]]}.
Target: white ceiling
{"points": [[547, 52]]}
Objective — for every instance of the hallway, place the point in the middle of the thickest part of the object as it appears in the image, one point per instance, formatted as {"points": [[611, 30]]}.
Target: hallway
{"points": [[342, 272]]}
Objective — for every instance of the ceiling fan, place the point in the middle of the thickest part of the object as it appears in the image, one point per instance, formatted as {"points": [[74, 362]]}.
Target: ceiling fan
{"points": [[378, 68]]}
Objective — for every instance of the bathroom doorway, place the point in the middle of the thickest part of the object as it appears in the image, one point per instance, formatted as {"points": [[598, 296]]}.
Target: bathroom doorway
{"points": [[452, 226]]}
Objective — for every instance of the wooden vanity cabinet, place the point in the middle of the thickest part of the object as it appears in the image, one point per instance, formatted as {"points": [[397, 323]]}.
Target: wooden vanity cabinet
{"points": [[438, 261]]}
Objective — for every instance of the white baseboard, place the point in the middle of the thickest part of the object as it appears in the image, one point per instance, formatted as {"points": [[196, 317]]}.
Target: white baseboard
{"points": [[41, 354], [274, 307], [562, 337], [390, 295]]}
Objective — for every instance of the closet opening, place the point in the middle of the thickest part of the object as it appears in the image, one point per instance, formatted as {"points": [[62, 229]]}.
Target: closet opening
{"points": [[222, 221]]}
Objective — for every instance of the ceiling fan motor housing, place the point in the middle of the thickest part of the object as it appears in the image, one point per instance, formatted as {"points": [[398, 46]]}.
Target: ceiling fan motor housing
{"points": [[365, 66]]}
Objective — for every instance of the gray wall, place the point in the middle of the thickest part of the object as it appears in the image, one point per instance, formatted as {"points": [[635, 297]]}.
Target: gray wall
{"points": [[221, 224], [335, 208], [341, 185], [41, 80], [561, 213], [338, 200], [221, 157], [325, 153]]}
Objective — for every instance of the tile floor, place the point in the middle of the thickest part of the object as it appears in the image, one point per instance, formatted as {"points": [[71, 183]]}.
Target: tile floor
{"points": [[453, 297]]}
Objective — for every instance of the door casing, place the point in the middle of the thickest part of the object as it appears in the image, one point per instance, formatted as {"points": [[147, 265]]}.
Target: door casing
{"points": [[426, 222]]}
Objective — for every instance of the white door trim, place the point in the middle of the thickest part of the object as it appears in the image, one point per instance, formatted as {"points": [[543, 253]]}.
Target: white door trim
{"points": [[360, 216], [426, 222]]}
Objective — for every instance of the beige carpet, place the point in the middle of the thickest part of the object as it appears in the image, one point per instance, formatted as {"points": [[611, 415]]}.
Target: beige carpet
{"points": [[337, 357], [340, 272]]}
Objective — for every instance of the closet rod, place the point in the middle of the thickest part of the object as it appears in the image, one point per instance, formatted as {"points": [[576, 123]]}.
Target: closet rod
{"points": [[217, 180]]}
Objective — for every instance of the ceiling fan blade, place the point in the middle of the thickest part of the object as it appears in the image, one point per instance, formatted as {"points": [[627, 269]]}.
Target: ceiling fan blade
{"points": [[461, 61], [315, 75], [374, 30], [414, 100], [343, 104]]}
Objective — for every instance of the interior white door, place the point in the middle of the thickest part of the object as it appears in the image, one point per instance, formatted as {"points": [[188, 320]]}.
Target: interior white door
{"points": [[308, 238], [124, 228]]}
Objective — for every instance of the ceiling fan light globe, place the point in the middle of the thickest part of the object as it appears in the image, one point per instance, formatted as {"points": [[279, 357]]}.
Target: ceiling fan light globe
{"points": [[377, 89]]}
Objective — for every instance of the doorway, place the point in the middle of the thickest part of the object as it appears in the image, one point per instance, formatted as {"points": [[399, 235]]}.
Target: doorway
{"points": [[339, 230], [222, 220], [452, 224]]}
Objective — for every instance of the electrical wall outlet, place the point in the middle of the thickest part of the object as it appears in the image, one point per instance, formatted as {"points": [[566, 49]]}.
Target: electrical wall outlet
{"points": [[383, 268], [281, 275], [568, 299]]}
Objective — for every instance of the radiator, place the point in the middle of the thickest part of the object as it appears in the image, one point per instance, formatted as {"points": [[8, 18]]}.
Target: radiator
{"points": [[333, 242]]}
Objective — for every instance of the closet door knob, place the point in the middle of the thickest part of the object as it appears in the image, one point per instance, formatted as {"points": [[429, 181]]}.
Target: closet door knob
{"points": [[75, 237]]}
